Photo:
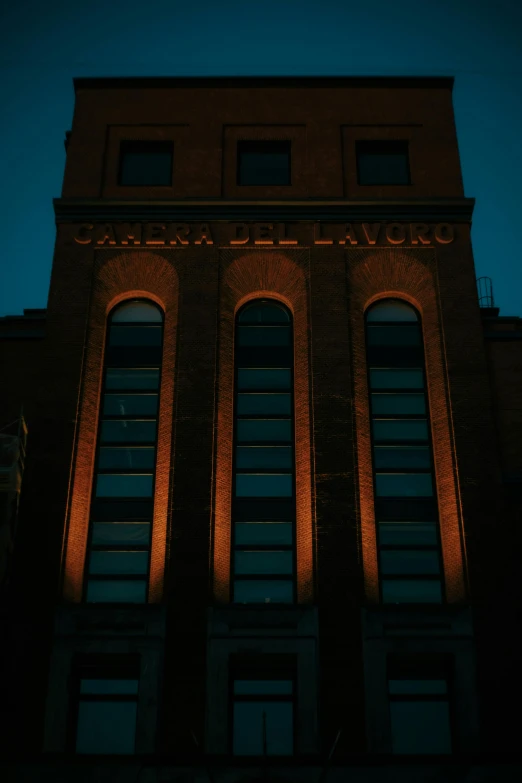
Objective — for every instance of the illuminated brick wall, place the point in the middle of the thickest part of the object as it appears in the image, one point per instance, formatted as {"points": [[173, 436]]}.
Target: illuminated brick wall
{"points": [[117, 278]]}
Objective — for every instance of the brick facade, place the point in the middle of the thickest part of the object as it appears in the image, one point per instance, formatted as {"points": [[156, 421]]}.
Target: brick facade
{"points": [[327, 248]]}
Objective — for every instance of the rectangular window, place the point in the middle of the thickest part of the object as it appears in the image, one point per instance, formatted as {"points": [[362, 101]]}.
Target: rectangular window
{"points": [[400, 429], [124, 485], [128, 431], [260, 379], [409, 561], [263, 591], [106, 707], [264, 485], [411, 591], [263, 163], [419, 710], [122, 378], [121, 533], [264, 533], [264, 404], [382, 162], [139, 458], [260, 336], [396, 379], [408, 533], [402, 457], [146, 163], [130, 404], [263, 716], [271, 457], [117, 591], [118, 562], [401, 404], [271, 562], [403, 484], [258, 430]]}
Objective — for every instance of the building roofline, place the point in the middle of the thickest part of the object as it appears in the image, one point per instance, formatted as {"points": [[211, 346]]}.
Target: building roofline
{"points": [[166, 82]]}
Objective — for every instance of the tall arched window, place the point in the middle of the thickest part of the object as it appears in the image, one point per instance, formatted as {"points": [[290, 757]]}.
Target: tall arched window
{"points": [[404, 482], [123, 492], [263, 507]]}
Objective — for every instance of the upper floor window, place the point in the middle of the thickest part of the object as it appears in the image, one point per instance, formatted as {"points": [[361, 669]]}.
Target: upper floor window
{"points": [[263, 163], [146, 163], [263, 507], [382, 163], [123, 492], [404, 481]]}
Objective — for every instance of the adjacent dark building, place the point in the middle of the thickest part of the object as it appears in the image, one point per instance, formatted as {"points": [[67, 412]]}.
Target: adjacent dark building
{"points": [[261, 456]]}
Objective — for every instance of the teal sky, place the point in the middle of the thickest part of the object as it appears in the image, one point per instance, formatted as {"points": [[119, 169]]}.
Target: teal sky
{"points": [[44, 45]]}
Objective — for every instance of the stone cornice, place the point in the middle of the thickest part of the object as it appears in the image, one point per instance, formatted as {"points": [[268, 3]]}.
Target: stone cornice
{"points": [[451, 210]]}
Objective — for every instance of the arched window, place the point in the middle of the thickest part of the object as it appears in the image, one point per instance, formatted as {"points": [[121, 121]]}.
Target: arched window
{"points": [[263, 507], [123, 492], [404, 482]]}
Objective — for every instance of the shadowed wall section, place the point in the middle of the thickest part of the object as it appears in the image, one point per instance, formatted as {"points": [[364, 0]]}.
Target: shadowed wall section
{"points": [[409, 275], [116, 278], [247, 276]]}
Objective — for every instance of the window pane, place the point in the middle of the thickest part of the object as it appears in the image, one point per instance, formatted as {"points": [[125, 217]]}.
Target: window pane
{"points": [[118, 562], [263, 687], [416, 687], [408, 533], [396, 379], [263, 163], [117, 485], [263, 335], [263, 591], [263, 533], [403, 484], [126, 431], [121, 533], [394, 335], [130, 404], [264, 430], [412, 591], [131, 379], [264, 457], [137, 312], [402, 457], [263, 562], [248, 728], [263, 485], [135, 335], [391, 310], [383, 163], [106, 727], [126, 459], [258, 404], [400, 429], [405, 561], [146, 163], [264, 313], [117, 591], [109, 686], [420, 727], [264, 379], [398, 403]]}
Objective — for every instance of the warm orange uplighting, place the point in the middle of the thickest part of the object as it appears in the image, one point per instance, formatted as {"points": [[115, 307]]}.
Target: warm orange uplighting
{"points": [[116, 278], [249, 276], [409, 275]]}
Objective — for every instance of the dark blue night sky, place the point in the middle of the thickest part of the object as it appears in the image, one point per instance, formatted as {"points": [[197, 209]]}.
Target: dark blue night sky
{"points": [[44, 45]]}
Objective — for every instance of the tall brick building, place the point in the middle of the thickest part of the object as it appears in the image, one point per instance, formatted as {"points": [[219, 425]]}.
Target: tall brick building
{"points": [[261, 454]]}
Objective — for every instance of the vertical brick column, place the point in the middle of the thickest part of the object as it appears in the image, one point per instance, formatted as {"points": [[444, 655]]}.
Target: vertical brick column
{"points": [[339, 566]]}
